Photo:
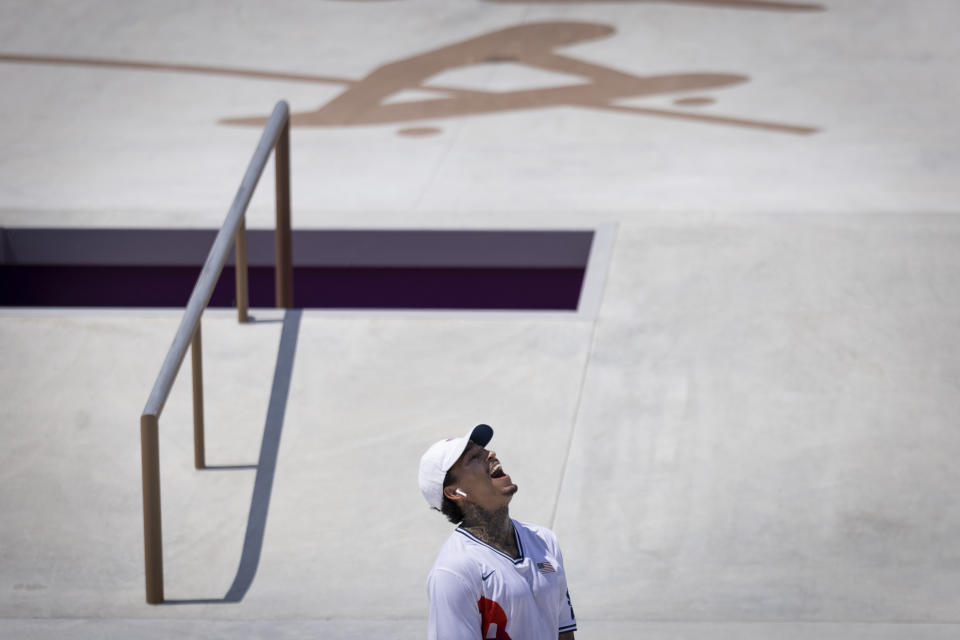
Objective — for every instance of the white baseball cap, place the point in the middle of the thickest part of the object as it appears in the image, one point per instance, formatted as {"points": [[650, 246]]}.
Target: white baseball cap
{"points": [[441, 456]]}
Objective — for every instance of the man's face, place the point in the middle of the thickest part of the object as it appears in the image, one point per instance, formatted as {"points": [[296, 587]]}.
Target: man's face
{"points": [[480, 476]]}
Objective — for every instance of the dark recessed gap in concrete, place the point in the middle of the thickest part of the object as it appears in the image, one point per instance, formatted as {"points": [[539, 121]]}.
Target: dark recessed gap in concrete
{"points": [[378, 269]]}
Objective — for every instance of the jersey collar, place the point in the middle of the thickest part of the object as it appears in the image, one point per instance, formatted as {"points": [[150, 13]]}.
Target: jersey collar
{"points": [[516, 533]]}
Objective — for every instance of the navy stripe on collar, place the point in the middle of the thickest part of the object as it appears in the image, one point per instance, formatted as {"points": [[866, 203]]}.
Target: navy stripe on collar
{"points": [[516, 533]]}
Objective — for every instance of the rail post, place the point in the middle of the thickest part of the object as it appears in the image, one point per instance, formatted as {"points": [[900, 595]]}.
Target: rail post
{"points": [[240, 268], [152, 538], [196, 355], [284, 250]]}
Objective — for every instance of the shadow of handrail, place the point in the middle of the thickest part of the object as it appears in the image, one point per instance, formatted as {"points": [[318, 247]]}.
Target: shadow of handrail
{"points": [[266, 466]]}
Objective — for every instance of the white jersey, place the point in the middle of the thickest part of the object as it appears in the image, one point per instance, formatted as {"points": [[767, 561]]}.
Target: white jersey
{"points": [[477, 591]]}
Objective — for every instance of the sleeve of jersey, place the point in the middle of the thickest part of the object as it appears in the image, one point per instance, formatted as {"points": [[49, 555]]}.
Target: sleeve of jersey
{"points": [[454, 614], [566, 620]]}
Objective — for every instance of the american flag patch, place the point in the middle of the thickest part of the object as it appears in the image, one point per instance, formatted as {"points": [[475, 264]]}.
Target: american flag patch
{"points": [[545, 567]]}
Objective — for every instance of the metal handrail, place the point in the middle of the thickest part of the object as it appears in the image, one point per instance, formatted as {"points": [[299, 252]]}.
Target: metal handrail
{"points": [[276, 134]]}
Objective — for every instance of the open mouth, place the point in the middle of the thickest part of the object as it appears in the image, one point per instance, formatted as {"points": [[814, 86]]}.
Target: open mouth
{"points": [[496, 471]]}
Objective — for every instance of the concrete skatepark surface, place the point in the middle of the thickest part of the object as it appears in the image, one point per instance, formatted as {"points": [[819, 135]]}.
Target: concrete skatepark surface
{"points": [[748, 430]]}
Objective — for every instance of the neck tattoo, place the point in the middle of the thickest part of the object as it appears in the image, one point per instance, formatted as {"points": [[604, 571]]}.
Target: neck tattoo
{"points": [[493, 527]]}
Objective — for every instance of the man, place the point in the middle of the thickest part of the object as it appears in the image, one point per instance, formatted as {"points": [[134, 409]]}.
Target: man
{"points": [[495, 578]]}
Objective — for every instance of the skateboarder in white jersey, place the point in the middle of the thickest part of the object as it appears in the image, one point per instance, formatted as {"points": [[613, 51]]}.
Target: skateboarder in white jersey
{"points": [[495, 577]]}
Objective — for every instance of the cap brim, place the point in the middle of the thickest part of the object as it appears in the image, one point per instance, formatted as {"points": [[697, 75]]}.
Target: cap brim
{"points": [[481, 434]]}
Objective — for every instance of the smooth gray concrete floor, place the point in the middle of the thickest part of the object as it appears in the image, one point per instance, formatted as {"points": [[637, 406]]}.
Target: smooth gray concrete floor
{"points": [[781, 455], [87, 629]]}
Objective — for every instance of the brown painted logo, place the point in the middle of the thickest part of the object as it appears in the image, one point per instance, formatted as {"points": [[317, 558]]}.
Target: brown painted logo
{"points": [[367, 101]]}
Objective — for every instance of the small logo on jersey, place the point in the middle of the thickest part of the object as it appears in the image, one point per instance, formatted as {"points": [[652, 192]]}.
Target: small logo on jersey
{"points": [[488, 575], [545, 567]]}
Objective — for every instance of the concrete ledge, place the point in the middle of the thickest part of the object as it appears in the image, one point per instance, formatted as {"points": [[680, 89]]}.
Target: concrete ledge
{"points": [[311, 247]]}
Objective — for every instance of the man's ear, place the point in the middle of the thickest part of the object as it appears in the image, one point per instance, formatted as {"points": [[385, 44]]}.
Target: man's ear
{"points": [[451, 493]]}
